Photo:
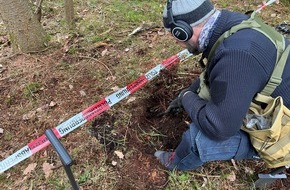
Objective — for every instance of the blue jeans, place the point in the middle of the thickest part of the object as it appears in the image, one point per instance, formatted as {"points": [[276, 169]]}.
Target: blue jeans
{"points": [[195, 149]]}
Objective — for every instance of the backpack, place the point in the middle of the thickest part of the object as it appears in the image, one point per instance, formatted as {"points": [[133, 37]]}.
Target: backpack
{"points": [[268, 120]]}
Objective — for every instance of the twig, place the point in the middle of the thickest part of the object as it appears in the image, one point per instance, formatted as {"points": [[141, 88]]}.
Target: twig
{"points": [[138, 29], [38, 6], [4, 78], [106, 32], [39, 51], [36, 58], [163, 185], [234, 164], [143, 27], [11, 56], [38, 9], [87, 57], [76, 73], [205, 175], [189, 74]]}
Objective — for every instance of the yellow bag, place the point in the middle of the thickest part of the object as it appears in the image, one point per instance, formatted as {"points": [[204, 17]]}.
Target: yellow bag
{"points": [[272, 144]]}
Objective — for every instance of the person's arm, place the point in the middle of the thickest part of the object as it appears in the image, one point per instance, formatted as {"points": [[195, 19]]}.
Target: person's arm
{"points": [[233, 84]]}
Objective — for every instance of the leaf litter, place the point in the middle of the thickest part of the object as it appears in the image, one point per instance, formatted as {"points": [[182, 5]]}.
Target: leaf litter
{"points": [[135, 139]]}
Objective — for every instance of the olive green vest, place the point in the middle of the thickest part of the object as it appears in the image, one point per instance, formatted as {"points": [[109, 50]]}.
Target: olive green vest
{"points": [[276, 38], [272, 143]]}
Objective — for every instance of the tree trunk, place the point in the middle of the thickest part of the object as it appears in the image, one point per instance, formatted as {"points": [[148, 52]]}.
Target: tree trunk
{"points": [[25, 31], [69, 13]]}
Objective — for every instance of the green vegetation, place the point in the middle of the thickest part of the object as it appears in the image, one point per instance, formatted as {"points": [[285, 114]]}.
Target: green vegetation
{"points": [[32, 88], [97, 58]]}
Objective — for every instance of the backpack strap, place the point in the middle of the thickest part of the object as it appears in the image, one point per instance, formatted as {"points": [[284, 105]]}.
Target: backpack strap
{"points": [[276, 77], [254, 22]]}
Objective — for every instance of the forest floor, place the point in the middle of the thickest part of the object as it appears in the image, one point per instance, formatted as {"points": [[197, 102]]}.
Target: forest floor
{"points": [[80, 67]]}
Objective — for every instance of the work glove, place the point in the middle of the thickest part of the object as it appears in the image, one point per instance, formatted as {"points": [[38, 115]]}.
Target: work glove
{"points": [[176, 107]]}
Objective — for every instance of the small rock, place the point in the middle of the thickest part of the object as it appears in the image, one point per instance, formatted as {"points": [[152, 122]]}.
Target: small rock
{"points": [[83, 93], [52, 104], [119, 154]]}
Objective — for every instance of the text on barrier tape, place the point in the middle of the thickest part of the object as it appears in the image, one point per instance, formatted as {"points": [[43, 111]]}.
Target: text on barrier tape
{"points": [[90, 112]]}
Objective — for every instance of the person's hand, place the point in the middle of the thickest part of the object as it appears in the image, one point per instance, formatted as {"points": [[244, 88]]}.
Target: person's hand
{"points": [[176, 107]]}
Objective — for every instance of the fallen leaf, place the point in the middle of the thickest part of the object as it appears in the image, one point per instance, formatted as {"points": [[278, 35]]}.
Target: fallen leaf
{"points": [[83, 93], [47, 169], [42, 108], [131, 99], [101, 44], [138, 29], [28, 116], [111, 78], [1, 66], [115, 88], [44, 155], [154, 175], [232, 176], [104, 52], [52, 104], [205, 182], [234, 164], [249, 170], [119, 154], [114, 163], [29, 168], [161, 33]]}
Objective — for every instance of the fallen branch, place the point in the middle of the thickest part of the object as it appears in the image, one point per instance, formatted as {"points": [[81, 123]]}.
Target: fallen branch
{"points": [[143, 27], [205, 175], [37, 11], [87, 57], [8, 57]]}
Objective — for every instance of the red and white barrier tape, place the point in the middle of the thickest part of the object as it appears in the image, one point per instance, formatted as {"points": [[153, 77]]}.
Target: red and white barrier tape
{"points": [[91, 112], [265, 5]]}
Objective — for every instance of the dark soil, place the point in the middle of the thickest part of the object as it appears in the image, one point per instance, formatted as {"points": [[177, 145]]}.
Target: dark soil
{"points": [[147, 115], [142, 172]]}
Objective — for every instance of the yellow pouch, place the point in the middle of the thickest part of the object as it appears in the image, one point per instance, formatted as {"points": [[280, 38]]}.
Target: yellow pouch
{"points": [[272, 144]]}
